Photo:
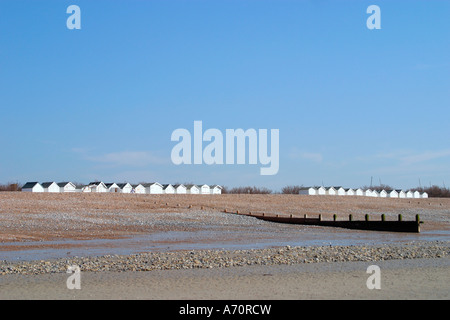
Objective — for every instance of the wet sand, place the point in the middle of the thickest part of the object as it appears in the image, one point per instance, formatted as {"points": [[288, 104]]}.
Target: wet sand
{"points": [[248, 236], [400, 279]]}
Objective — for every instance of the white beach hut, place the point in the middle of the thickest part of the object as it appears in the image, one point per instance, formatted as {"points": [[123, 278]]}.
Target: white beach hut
{"points": [[216, 189], [51, 187], [98, 186], [340, 191], [153, 188], [417, 194], [350, 192], [331, 191], [309, 191], [424, 195], [374, 194], [192, 189], [67, 187], [32, 187], [393, 194], [321, 191], [359, 192], [168, 189], [125, 187], [139, 189], [113, 187], [368, 192], [383, 194], [205, 189], [409, 194], [180, 189], [401, 193]]}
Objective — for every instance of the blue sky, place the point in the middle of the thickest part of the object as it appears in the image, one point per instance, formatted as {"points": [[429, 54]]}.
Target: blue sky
{"points": [[350, 103]]}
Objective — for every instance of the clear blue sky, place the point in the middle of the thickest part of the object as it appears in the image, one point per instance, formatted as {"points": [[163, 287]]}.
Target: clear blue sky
{"points": [[350, 103]]}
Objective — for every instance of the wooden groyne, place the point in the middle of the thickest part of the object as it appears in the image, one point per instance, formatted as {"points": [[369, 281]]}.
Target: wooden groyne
{"points": [[398, 225]]}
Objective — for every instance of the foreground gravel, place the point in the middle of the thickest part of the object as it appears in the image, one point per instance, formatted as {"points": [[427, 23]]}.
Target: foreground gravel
{"points": [[225, 258]]}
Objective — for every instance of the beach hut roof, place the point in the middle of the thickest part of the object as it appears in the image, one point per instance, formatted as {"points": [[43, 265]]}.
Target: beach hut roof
{"points": [[110, 184], [63, 184], [47, 184], [151, 184], [29, 185]]}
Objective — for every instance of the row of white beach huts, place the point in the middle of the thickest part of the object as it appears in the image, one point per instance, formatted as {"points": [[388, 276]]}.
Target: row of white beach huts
{"points": [[340, 191], [142, 188]]}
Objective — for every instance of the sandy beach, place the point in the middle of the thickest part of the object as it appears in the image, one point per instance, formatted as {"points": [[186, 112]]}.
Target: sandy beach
{"points": [[187, 247], [400, 279]]}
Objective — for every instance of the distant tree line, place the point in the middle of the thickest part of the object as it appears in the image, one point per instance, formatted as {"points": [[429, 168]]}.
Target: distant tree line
{"points": [[435, 191], [11, 186], [246, 190]]}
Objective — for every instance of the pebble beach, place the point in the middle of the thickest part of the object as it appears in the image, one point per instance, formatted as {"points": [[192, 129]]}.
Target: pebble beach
{"points": [[222, 259]]}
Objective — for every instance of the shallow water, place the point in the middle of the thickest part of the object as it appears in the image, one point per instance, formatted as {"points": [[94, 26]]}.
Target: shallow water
{"points": [[211, 238]]}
